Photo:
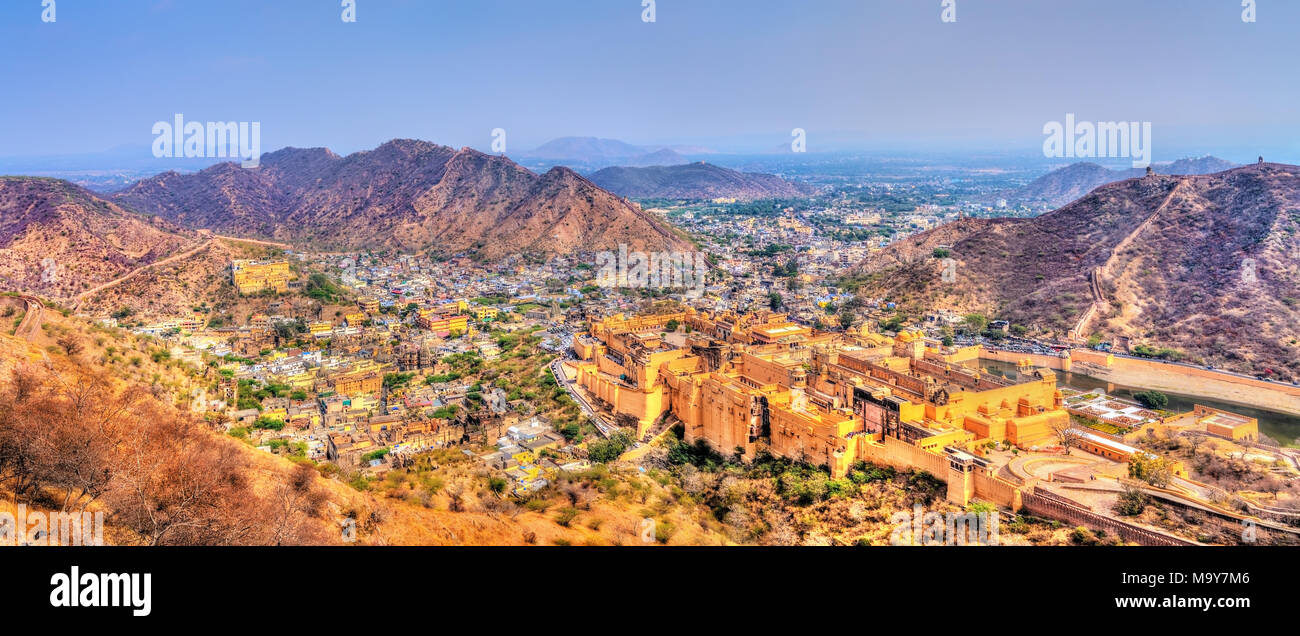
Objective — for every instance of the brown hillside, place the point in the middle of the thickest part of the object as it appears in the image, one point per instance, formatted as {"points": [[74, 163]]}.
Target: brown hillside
{"points": [[405, 194], [1170, 255], [57, 239], [88, 421], [174, 288]]}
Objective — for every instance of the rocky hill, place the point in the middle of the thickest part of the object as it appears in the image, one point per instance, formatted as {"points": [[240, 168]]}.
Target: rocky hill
{"points": [[1196, 165], [1064, 185], [694, 181], [58, 239], [202, 278], [1204, 266], [407, 195]]}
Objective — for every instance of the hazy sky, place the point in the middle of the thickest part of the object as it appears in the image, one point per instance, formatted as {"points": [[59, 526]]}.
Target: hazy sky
{"points": [[728, 73]]}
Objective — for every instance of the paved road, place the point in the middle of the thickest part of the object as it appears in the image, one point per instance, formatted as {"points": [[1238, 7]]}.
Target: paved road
{"points": [[605, 428]]}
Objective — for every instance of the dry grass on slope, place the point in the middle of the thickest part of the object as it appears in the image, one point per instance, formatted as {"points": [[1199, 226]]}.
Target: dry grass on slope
{"points": [[114, 393]]}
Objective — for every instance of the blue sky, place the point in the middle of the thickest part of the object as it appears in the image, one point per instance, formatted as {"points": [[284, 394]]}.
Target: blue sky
{"points": [[733, 74]]}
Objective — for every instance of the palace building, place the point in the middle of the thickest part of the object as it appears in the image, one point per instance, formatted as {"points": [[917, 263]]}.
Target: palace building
{"points": [[251, 277], [759, 382]]}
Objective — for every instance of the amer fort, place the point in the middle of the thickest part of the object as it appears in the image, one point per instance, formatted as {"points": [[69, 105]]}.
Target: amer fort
{"points": [[758, 382]]}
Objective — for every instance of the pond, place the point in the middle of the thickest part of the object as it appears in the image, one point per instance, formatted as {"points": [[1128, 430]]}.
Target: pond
{"points": [[1282, 427]]}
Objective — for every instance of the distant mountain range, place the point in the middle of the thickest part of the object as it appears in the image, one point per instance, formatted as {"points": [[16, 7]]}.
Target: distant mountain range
{"points": [[407, 195], [694, 181], [592, 153], [1064, 185], [1201, 264]]}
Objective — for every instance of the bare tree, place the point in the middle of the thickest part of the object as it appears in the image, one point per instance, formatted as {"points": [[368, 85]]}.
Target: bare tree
{"points": [[61, 434], [289, 510], [70, 343], [1272, 485], [159, 473], [1066, 432], [219, 421], [177, 488]]}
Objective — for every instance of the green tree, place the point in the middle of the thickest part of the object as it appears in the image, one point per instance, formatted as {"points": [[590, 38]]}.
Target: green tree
{"points": [[1131, 502], [976, 322], [395, 380], [320, 288], [1152, 399], [1153, 469], [570, 431], [269, 424], [608, 450]]}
